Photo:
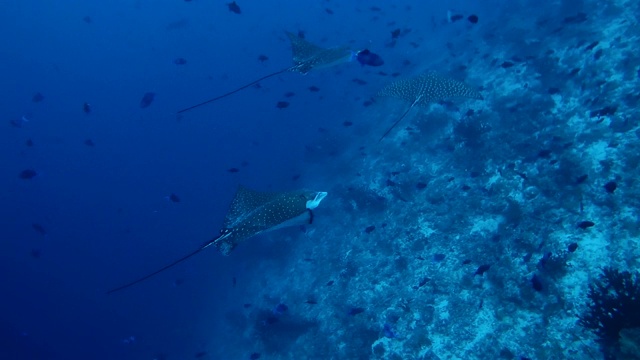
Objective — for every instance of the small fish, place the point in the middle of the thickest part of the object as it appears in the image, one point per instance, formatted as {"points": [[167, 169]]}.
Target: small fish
{"points": [[254, 356], [35, 253], [482, 269], [454, 18], [311, 302], [263, 58], [330, 282], [369, 229], [610, 187], [246, 305], [572, 247], [28, 174], [421, 185], [280, 309], [359, 81], [313, 88], [388, 331], [355, 311], [39, 228], [395, 33], [282, 105], [585, 224], [581, 179], [536, 283], [423, 282], [473, 19], [289, 94], [234, 8], [200, 354], [147, 99], [174, 198], [233, 170], [466, 262], [544, 259], [89, 143], [87, 19], [37, 97], [347, 123], [29, 143], [438, 257], [328, 11], [366, 57], [234, 281], [180, 61], [86, 107]]}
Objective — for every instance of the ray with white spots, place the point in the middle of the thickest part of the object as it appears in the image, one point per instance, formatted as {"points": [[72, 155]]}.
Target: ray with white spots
{"points": [[425, 89], [252, 213]]}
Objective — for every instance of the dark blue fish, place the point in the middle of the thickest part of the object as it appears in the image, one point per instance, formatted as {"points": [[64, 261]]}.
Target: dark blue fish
{"points": [[482, 269], [147, 99], [39, 228], [366, 57], [536, 283], [89, 143], [234, 8], [355, 311], [388, 331], [86, 107], [174, 198], [37, 97], [180, 61], [438, 257], [254, 356], [28, 174], [280, 309]]}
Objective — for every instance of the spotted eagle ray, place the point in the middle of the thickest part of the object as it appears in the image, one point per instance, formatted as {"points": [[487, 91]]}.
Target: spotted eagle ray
{"points": [[424, 89], [306, 57], [252, 213]]}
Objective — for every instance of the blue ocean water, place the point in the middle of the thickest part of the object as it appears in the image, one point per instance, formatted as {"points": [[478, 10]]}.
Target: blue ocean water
{"points": [[478, 228]]}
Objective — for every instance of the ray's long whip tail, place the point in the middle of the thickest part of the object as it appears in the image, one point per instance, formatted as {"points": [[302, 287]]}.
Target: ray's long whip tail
{"points": [[236, 90]]}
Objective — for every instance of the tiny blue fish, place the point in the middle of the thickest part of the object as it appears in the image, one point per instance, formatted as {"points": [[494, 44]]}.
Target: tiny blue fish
{"points": [[280, 309], [366, 57], [355, 311], [147, 99], [388, 331]]}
